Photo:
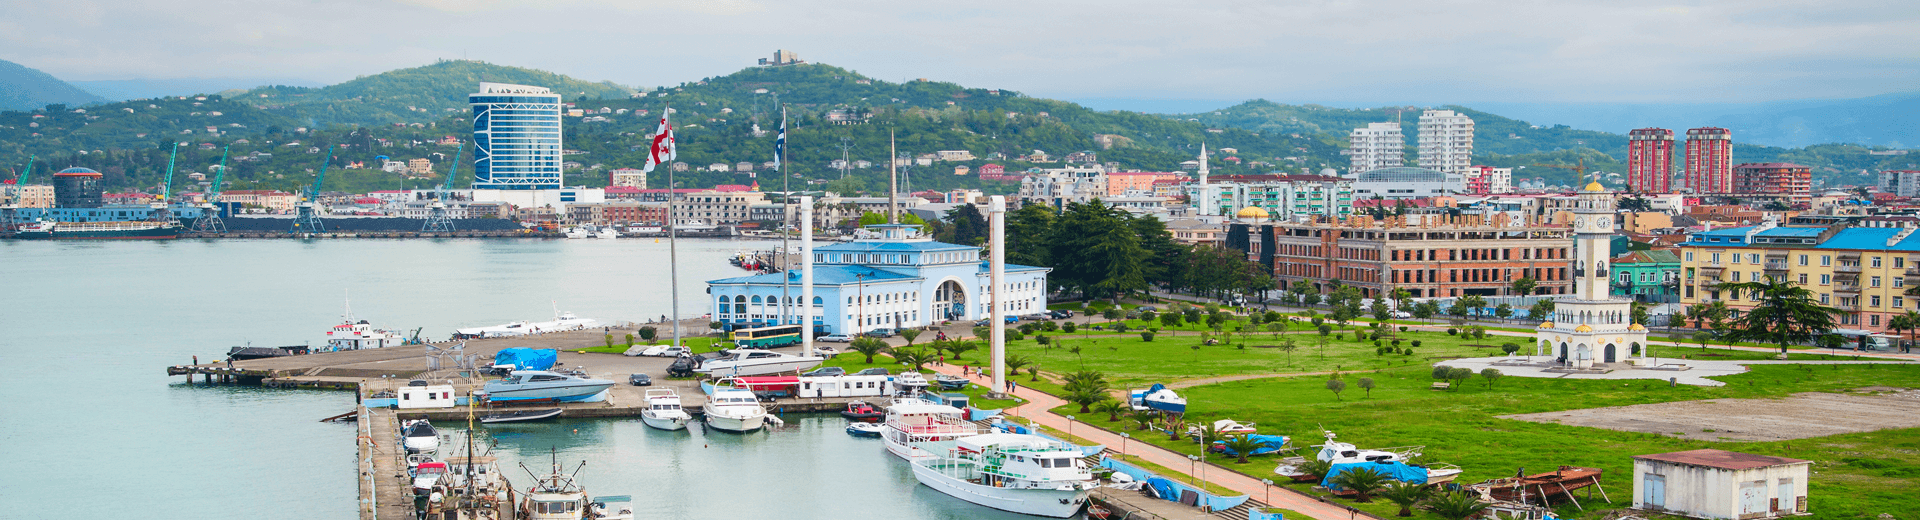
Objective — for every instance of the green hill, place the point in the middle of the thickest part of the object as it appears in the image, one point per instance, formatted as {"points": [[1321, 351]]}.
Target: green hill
{"points": [[25, 88], [414, 95]]}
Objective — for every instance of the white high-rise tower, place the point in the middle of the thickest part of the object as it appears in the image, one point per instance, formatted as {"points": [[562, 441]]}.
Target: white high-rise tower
{"points": [[1446, 141], [1379, 145], [1592, 327]]}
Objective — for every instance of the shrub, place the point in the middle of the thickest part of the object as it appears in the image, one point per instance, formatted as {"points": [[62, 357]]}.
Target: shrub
{"points": [[648, 333], [1416, 343], [1396, 342], [1403, 328], [1375, 336], [1376, 343], [1381, 351], [1146, 336], [1406, 352], [1067, 327], [1241, 346], [1339, 336], [1042, 339], [1049, 326], [1440, 372], [1510, 348], [1453, 331], [1120, 327]]}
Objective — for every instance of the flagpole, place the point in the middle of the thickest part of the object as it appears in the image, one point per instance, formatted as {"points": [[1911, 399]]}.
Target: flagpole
{"points": [[786, 217]]}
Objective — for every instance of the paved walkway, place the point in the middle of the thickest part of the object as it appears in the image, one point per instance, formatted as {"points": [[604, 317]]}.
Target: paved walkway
{"points": [[1038, 404]]}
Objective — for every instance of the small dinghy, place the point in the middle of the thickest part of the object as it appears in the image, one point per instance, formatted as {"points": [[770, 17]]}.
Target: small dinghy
{"points": [[864, 429], [519, 416], [861, 411]]}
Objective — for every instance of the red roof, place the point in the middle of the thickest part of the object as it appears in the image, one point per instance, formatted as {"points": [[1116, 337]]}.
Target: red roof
{"points": [[731, 188], [1721, 459], [768, 381], [623, 189]]}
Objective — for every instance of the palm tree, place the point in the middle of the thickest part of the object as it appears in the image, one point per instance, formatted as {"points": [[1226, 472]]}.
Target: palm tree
{"points": [[1241, 446], [1475, 302], [1142, 419], [1204, 433], [961, 347], [1784, 314], [909, 334], [1405, 495], [1175, 424], [1112, 408], [869, 346], [1315, 467], [1085, 388], [1363, 482], [918, 358], [1015, 362], [1456, 506], [1907, 322]]}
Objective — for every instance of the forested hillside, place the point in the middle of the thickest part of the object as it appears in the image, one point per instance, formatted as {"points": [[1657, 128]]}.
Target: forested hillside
{"points": [[23, 88]]}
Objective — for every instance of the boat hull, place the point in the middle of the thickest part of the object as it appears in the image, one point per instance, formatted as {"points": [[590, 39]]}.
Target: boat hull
{"points": [[154, 233], [736, 424], [559, 394], [1055, 503], [666, 422], [421, 444], [759, 369]]}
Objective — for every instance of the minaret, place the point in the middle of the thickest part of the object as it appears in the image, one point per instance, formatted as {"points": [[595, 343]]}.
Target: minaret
{"points": [[1206, 196]]}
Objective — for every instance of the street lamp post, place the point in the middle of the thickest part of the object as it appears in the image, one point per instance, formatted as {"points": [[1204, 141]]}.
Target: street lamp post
{"points": [[1123, 442], [1267, 486], [1069, 428], [1193, 462]]}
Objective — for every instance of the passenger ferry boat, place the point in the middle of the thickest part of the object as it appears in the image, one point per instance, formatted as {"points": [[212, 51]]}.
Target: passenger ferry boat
{"points": [[116, 230], [913, 422], [356, 335], [1025, 474]]}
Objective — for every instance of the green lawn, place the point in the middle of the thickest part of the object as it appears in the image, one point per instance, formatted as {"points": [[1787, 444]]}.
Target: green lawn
{"points": [[698, 344], [1855, 476], [1129, 361]]}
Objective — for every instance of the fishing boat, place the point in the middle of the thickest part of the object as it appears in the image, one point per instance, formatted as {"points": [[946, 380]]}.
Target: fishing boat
{"points": [[747, 362], [1025, 474], [735, 410], [865, 429], [541, 385], [426, 475], [663, 410], [356, 335], [914, 422], [418, 436], [1157, 397], [520, 416], [555, 496], [861, 411]]}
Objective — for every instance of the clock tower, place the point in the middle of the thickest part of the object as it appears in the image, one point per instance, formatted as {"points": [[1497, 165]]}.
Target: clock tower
{"points": [[1592, 328]]}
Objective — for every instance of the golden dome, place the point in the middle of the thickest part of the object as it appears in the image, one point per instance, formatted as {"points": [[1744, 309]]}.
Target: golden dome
{"points": [[1636, 326], [1583, 328], [1252, 212], [1595, 186], [1546, 324]]}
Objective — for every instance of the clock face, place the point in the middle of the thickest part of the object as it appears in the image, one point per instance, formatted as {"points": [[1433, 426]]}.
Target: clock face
{"points": [[1580, 222]]}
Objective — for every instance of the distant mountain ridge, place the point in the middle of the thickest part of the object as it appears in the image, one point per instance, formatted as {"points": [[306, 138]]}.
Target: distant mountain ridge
{"points": [[414, 95], [1884, 120], [26, 88], [131, 89]]}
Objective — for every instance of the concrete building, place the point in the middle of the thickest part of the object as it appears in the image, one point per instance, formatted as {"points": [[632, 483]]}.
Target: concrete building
{"points": [[955, 155], [1446, 141], [29, 196], [1647, 276], [1863, 271], [1283, 197], [419, 167], [275, 201], [1059, 187], [1903, 183], [1785, 180], [1650, 160], [1407, 183], [717, 207], [1710, 160], [1197, 232], [1379, 145], [1428, 255], [629, 177], [1592, 328], [1488, 180], [552, 200], [898, 279], [1718, 484], [1137, 183], [516, 137]]}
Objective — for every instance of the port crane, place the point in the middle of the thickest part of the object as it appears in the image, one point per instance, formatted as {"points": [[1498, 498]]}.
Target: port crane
{"points": [[209, 221], [306, 221], [437, 220], [8, 210], [161, 213]]}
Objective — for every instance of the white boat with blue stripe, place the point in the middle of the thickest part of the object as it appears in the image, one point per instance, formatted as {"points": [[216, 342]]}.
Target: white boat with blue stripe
{"points": [[541, 385]]}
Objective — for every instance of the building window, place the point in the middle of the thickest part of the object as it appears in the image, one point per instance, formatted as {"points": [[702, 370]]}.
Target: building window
{"points": [[1753, 258], [1736, 277], [1826, 279], [1803, 259], [1689, 256], [1826, 260], [1898, 282], [1874, 301], [1874, 320], [1823, 298], [1803, 278], [1716, 258], [1899, 302], [1876, 261], [1899, 262], [1875, 282]]}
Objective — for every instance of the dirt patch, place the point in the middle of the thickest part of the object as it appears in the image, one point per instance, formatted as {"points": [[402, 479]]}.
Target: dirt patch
{"points": [[1799, 416]]}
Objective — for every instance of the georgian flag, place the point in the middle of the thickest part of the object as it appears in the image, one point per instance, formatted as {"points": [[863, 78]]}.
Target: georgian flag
{"points": [[780, 144], [662, 151]]}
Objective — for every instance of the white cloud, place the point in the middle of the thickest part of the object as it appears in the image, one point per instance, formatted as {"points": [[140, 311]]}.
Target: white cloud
{"points": [[1336, 51]]}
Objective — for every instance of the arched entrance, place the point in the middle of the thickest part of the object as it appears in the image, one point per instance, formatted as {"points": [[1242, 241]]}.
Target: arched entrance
{"points": [[1609, 353], [950, 301], [1582, 355], [1563, 352]]}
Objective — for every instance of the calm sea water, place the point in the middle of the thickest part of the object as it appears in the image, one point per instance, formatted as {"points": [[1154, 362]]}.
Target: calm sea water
{"points": [[90, 414]]}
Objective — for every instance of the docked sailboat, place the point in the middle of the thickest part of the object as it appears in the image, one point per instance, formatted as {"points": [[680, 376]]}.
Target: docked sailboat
{"points": [[1021, 473], [913, 422], [663, 410], [541, 385], [735, 410], [748, 362]]}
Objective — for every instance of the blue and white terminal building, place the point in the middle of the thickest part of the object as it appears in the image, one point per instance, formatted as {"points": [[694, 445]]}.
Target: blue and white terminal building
{"points": [[900, 279], [516, 137]]}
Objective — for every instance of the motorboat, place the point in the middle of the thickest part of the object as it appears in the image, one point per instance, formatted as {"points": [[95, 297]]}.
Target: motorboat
{"points": [[541, 385], [865, 429], [353, 334], [579, 232], [1157, 397], [950, 382], [606, 233], [520, 416], [861, 411], [663, 410], [735, 410], [419, 436], [426, 475], [612, 507], [1224, 427], [909, 384], [747, 362], [912, 423], [1025, 474], [1336, 452]]}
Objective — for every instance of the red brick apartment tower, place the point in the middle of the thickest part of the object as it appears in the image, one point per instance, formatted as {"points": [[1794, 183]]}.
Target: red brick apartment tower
{"points": [[1710, 160], [1789, 179], [1650, 160]]}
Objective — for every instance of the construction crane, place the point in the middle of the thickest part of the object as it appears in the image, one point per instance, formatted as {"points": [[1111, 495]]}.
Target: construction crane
{"points": [[307, 221], [209, 221], [161, 213], [437, 220], [28, 172]]}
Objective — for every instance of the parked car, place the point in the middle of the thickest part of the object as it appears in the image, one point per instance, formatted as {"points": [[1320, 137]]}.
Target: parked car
{"points": [[666, 351], [826, 371], [880, 333], [837, 338], [1403, 315], [640, 380], [1144, 308], [1063, 313], [1037, 317], [876, 371]]}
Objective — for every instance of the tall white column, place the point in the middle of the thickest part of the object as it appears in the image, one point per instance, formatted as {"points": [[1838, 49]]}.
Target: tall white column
{"points": [[806, 276], [997, 214]]}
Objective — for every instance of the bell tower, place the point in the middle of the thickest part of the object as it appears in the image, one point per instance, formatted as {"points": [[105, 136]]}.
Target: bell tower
{"points": [[1591, 328]]}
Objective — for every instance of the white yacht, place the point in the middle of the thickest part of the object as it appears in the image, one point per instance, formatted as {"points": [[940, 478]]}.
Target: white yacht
{"points": [[1336, 452], [579, 232], [562, 321], [418, 436], [735, 410], [607, 233], [748, 362], [912, 422], [663, 410], [1025, 474]]}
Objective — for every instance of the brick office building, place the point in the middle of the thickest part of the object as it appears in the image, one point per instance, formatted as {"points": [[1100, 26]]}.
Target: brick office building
{"points": [[1430, 255]]}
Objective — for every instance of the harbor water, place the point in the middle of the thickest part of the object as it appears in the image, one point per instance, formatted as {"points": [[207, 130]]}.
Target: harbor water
{"points": [[90, 412]]}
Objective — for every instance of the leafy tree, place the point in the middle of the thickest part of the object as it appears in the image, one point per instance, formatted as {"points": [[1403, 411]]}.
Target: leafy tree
{"points": [[1170, 319], [1703, 337], [868, 347], [1784, 314], [1541, 310], [1381, 311], [1362, 481], [1426, 310], [649, 333], [1474, 302], [1524, 286], [1504, 311], [1336, 386], [1405, 495], [1491, 375], [1288, 346], [1459, 375], [967, 226], [1366, 383], [1510, 348]]}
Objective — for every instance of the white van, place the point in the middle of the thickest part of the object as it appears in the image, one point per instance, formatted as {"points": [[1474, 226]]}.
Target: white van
{"points": [[1866, 340]]}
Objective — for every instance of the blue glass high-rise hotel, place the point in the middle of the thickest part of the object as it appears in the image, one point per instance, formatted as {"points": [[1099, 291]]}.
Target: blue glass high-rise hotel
{"points": [[516, 137], [901, 279]]}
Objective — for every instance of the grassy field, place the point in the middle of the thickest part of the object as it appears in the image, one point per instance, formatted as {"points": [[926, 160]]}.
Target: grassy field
{"points": [[1856, 475], [698, 344]]}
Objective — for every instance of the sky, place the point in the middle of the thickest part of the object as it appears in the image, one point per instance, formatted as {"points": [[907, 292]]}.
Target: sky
{"points": [[1188, 54]]}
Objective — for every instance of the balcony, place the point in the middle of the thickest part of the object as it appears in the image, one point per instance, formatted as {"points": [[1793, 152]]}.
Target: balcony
{"points": [[1846, 288], [1847, 268], [1776, 265], [1847, 307]]}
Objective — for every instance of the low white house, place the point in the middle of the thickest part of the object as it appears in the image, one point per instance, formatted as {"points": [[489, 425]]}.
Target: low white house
{"points": [[428, 396], [1719, 484]]}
